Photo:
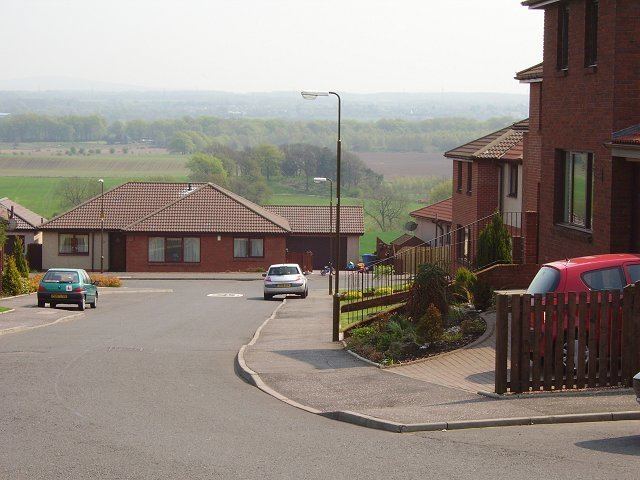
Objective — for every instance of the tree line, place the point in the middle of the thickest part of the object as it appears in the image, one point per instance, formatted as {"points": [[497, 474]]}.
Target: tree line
{"points": [[191, 134]]}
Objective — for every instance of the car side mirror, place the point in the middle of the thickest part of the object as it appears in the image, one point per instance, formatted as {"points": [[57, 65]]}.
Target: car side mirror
{"points": [[264, 274]]}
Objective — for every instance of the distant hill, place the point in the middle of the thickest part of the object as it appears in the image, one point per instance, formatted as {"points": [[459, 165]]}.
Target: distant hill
{"points": [[56, 96]]}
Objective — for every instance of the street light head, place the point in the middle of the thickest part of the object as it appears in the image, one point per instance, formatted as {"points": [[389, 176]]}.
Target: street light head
{"points": [[313, 95], [101, 180], [319, 180]]}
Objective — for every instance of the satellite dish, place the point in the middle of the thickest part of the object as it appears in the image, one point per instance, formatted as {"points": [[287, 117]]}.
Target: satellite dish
{"points": [[410, 226]]}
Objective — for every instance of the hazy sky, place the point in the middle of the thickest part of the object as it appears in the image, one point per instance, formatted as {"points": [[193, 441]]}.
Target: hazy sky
{"points": [[266, 45]]}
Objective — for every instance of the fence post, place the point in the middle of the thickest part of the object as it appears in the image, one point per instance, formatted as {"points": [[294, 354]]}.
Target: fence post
{"points": [[516, 343], [502, 339]]}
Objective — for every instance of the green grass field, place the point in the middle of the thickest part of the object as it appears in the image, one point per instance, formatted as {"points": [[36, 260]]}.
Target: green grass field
{"points": [[32, 173]]}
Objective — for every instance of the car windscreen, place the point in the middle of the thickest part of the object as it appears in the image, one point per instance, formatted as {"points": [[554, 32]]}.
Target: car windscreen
{"points": [[604, 279], [58, 276], [279, 271], [545, 281]]}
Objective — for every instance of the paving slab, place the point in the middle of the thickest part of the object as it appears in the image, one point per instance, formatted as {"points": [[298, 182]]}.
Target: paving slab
{"points": [[294, 356]]}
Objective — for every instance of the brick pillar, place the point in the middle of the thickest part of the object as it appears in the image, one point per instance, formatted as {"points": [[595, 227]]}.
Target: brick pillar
{"points": [[530, 231], [517, 250]]}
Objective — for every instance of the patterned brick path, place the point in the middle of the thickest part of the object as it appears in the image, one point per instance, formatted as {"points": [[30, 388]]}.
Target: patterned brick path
{"points": [[470, 369]]}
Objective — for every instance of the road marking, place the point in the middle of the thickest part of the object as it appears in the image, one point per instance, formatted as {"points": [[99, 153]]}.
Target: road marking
{"points": [[225, 295]]}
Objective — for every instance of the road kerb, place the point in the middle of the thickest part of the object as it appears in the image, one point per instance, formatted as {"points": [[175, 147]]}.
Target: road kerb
{"points": [[8, 311], [367, 421]]}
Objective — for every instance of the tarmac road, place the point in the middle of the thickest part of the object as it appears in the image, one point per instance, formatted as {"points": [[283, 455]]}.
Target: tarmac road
{"points": [[144, 387]]}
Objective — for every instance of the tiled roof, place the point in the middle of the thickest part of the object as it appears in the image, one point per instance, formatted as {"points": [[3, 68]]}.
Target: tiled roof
{"points": [[26, 219], [315, 219], [406, 240], [123, 205], [531, 73], [442, 210], [628, 136], [210, 208], [505, 144]]}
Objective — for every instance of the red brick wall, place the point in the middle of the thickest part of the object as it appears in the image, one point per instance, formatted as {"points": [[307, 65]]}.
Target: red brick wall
{"points": [[484, 197], [215, 256], [504, 277], [532, 151], [580, 110]]}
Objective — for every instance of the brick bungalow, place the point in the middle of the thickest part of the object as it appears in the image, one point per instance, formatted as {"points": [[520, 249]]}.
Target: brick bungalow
{"points": [[171, 227], [582, 146], [26, 224]]}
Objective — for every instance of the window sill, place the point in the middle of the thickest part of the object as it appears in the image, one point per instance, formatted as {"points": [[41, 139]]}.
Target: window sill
{"points": [[591, 69], [73, 254], [564, 72], [580, 232], [469, 192], [512, 195], [247, 259]]}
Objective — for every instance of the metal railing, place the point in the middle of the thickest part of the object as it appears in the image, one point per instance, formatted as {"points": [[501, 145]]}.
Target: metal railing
{"points": [[384, 285]]}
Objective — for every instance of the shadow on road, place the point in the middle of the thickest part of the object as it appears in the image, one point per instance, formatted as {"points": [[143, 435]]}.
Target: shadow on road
{"points": [[620, 445]]}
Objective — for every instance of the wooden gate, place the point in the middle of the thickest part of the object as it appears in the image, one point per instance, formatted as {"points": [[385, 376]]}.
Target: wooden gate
{"points": [[305, 260], [568, 341]]}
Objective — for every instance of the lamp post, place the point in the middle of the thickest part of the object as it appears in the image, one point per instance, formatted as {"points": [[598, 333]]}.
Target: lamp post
{"points": [[101, 225], [331, 239], [336, 291]]}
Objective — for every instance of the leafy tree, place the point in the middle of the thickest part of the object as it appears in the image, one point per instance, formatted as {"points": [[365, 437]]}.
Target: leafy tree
{"points": [[207, 168], [269, 157], [73, 191], [182, 143], [441, 191], [387, 205], [19, 258], [494, 243], [255, 189]]}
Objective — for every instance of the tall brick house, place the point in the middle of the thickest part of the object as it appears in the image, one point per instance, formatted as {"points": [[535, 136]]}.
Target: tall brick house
{"points": [[582, 147]]}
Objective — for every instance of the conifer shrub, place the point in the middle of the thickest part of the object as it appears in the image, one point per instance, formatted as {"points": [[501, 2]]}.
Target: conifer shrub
{"points": [[12, 282], [429, 288], [429, 327], [21, 261], [494, 243]]}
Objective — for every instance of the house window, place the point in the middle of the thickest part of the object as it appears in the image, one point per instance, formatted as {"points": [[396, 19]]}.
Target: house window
{"points": [[563, 36], [248, 247], [469, 176], [174, 249], [591, 34], [578, 189], [72, 244], [513, 180], [459, 177]]}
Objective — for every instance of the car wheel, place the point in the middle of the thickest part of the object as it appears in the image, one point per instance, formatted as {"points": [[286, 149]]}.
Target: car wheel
{"points": [[41, 304], [268, 296], [94, 304], [83, 304], [305, 294]]}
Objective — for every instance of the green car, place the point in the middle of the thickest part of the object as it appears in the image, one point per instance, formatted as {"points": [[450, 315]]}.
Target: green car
{"points": [[67, 285]]}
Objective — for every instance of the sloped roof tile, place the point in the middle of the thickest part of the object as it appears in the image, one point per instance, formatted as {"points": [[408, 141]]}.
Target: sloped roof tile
{"points": [[26, 219], [442, 211], [531, 73], [310, 219], [504, 144]]}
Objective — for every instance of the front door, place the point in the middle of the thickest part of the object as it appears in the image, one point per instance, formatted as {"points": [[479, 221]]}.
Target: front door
{"points": [[635, 210], [117, 252]]}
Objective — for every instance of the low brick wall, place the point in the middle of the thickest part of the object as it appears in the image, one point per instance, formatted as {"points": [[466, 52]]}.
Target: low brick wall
{"points": [[505, 277]]}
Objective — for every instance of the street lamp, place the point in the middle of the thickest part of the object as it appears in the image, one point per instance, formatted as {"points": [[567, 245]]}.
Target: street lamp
{"points": [[101, 225], [331, 262], [336, 298]]}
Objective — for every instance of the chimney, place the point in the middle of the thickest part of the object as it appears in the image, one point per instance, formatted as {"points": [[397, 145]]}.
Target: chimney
{"points": [[189, 188], [11, 216]]}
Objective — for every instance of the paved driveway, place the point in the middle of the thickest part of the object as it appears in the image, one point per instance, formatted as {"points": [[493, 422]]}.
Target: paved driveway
{"points": [[144, 387]]}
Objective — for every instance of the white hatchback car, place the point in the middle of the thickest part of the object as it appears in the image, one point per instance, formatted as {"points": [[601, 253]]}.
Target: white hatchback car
{"points": [[283, 279]]}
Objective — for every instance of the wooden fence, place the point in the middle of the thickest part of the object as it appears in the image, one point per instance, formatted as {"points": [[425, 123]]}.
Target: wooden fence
{"points": [[408, 260], [568, 341]]}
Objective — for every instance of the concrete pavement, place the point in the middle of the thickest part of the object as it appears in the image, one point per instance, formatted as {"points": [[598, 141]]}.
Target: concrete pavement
{"points": [[295, 357]]}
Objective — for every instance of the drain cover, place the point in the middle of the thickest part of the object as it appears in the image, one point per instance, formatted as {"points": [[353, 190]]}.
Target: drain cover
{"points": [[225, 295]]}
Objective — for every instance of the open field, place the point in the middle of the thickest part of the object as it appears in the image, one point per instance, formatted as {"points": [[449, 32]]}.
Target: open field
{"points": [[31, 175]]}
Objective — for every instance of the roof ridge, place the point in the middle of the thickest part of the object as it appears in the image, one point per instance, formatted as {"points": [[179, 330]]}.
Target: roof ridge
{"points": [[254, 207], [164, 207]]}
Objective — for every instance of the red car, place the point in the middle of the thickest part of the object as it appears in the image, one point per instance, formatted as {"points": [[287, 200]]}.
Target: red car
{"points": [[612, 271], [584, 274]]}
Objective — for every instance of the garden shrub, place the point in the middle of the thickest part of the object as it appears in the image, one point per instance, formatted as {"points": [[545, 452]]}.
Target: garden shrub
{"points": [[429, 327], [34, 282], [472, 326], [106, 280], [463, 284], [19, 258], [381, 270], [383, 291], [350, 295], [429, 288], [494, 243], [482, 295], [12, 282], [452, 335]]}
